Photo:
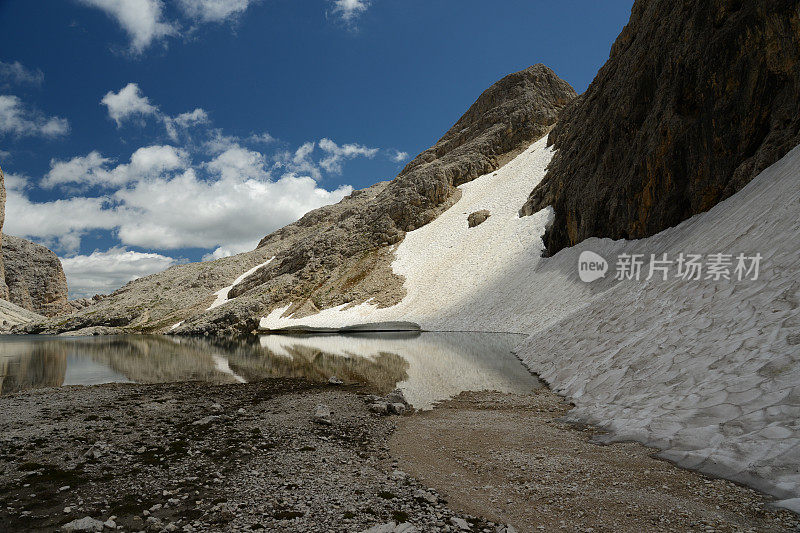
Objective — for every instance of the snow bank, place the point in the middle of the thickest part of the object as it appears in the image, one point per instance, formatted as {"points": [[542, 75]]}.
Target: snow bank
{"points": [[705, 370], [445, 262]]}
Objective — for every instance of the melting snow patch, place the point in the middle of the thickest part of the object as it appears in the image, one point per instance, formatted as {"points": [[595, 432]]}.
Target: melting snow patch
{"points": [[222, 294], [448, 260]]}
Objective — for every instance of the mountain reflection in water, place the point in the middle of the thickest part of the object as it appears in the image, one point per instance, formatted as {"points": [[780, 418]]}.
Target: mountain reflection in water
{"points": [[428, 366]]}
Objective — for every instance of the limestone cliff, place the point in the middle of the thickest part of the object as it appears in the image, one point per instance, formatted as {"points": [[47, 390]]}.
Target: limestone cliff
{"points": [[34, 277], [695, 100], [31, 276]]}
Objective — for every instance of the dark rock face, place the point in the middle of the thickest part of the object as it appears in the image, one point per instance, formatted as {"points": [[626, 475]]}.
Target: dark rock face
{"points": [[35, 278], [695, 100], [506, 118]]}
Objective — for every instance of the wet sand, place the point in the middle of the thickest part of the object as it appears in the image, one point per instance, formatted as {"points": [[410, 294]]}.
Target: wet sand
{"points": [[510, 459]]}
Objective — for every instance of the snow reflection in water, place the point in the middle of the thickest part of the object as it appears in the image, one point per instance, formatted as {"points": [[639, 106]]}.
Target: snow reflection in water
{"points": [[428, 367]]}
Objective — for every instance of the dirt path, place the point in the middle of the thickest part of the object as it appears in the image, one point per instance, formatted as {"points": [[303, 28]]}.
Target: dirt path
{"points": [[509, 459]]}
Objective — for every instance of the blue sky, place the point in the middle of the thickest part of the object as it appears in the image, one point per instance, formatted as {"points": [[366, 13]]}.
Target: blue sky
{"points": [[136, 134]]}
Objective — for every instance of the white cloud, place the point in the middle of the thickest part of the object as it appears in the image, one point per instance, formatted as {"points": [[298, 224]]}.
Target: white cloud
{"points": [[332, 162], [263, 138], [127, 103], [235, 209], [18, 120], [399, 157], [103, 272], [184, 121], [17, 73], [350, 10], [16, 182], [301, 161], [61, 222], [92, 169], [214, 10], [87, 169], [162, 203], [141, 19]]}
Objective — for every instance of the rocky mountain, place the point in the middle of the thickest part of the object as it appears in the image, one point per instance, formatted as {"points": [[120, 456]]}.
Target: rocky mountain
{"points": [[338, 254], [695, 100], [31, 276], [3, 286], [34, 277]]}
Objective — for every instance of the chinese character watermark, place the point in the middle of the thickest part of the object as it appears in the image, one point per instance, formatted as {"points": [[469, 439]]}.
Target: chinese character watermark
{"points": [[686, 266]]}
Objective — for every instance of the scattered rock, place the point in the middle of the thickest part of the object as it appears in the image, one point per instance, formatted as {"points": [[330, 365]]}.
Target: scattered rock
{"points": [[381, 408], [396, 396], [393, 527], [322, 415], [84, 524], [460, 523], [397, 408], [335, 381], [205, 420], [424, 495], [393, 403], [478, 217]]}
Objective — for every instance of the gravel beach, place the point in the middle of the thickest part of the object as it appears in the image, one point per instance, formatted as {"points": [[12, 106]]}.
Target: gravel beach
{"points": [[288, 455]]}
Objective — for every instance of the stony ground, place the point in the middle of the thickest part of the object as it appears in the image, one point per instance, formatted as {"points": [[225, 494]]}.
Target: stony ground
{"points": [[197, 457], [194, 457], [510, 456]]}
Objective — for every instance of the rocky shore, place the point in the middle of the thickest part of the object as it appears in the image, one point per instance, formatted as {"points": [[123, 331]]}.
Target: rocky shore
{"points": [[288, 455]]}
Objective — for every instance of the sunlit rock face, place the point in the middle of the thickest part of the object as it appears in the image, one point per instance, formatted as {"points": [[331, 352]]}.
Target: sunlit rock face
{"points": [[34, 277], [695, 99]]}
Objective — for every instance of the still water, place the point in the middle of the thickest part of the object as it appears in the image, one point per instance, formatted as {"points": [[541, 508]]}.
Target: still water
{"points": [[428, 367]]}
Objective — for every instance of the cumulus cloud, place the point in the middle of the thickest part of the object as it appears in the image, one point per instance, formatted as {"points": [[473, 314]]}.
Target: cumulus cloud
{"points": [[128, 102], [17, 73], [60, 223], [17, 119], [163, 201], [399, 157], [335, 154], [302, 161], [103, 272], [184, 121], [299, 161], [263, 138], [92, 169], [236, 206], [350, 10], [142, 20], [214, 10]]}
